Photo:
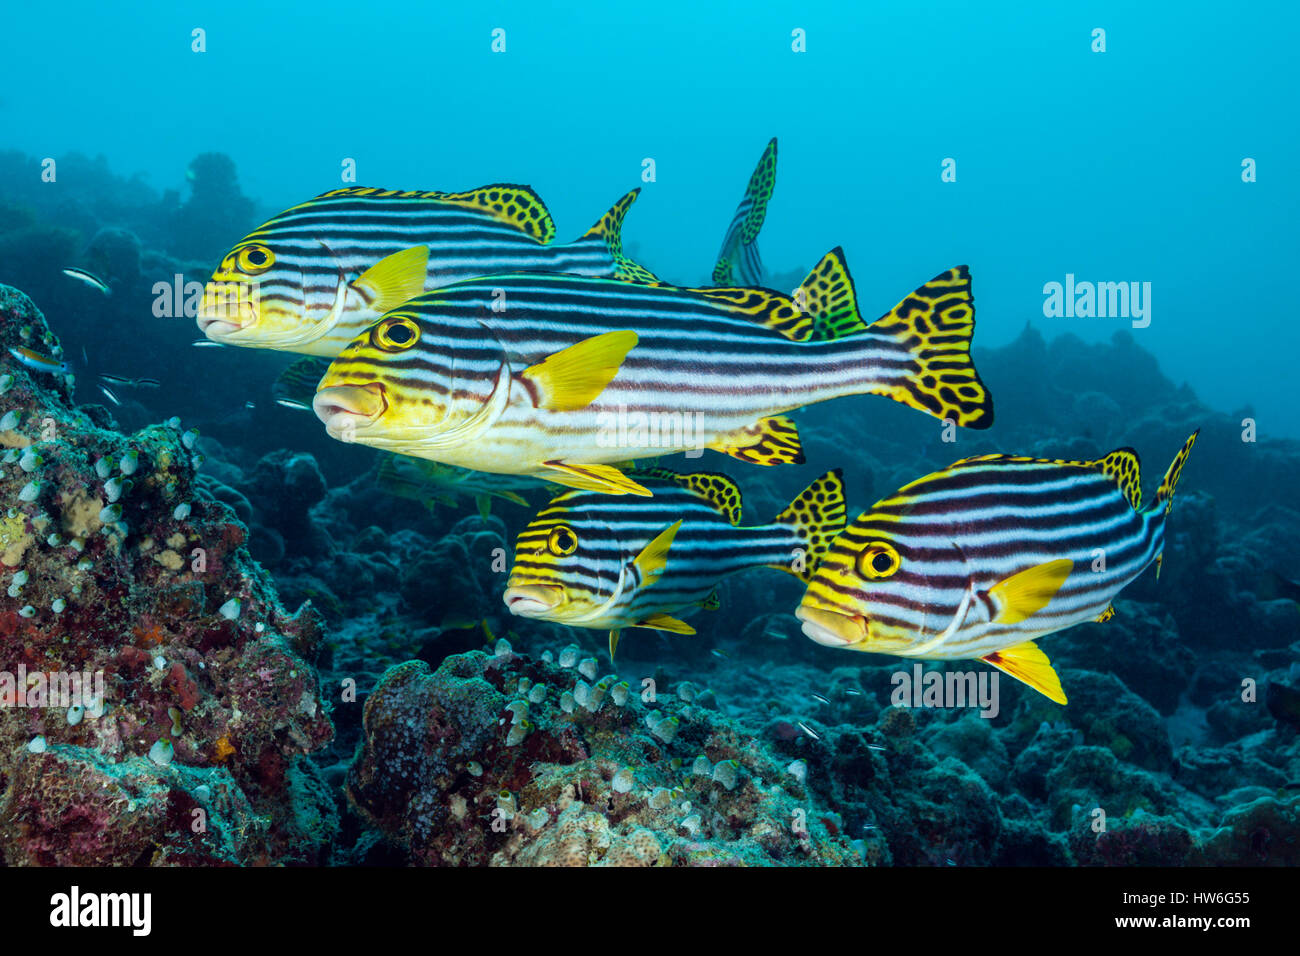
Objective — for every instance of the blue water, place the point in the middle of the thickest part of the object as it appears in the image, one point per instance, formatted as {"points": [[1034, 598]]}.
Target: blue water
{"points": [[1115, 166]]}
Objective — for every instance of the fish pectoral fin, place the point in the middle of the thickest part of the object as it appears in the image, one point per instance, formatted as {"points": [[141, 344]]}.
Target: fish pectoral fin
{"points": [[603, 478], [662, 622], [1106, 615], [395, 279], [769, 441], [1027, 663], [654, 556], [1029, 591], [572, 378], [511, 496]]}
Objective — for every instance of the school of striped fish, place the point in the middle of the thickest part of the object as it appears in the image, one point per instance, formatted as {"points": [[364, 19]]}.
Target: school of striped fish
{"points": [[452, 332]]}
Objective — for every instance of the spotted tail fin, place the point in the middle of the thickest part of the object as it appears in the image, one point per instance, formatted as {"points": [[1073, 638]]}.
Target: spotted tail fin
{"points": [[610, 229], [738, 261], [817, 515], [933, 326], [1165, 493]]}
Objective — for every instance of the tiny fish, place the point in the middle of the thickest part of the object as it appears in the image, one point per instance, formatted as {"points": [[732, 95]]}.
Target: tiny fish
{"points": [[108, 393], [89, 278], [876, 747], [293, 403], [820, 698], [250, 405], [206, 344], [981, 559], [809, 731], [592, 560], [721, 655], [38, 362], [130, 382]]}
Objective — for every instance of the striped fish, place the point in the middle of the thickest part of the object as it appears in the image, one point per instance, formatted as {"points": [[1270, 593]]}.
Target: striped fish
{"points": [[315, 276], [573, 374], [738, 261], [981, 559], [589, 560]]}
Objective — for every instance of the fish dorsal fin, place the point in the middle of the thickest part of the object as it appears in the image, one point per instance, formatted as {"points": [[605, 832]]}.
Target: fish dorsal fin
{"points": [[1029, 591], [514, 205], [827, 296], [572, 378], [662, 622], [718, 490], [1026, 662], [738, 261], [1123, 466], [654, 556], [772, 310], [395, 279]]}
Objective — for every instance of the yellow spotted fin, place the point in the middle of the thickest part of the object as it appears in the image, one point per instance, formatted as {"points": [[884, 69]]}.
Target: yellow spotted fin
{"points": [[513, 205], [609, 229], [1105, 615], [1029, 591], [769, 441], [719, 490], [1026, 662], [818, 514], [394, 279], [573, 377]]}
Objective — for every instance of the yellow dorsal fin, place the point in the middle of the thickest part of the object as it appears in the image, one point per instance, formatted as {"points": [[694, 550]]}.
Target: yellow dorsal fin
{"points": [[1026, 662], [613, 644], [1165, 493], [1123, 467], [719, 490], [516, 205], [769, 309], [662, 622], [827, 296], [654, 556], [769, 441], [1029, 591], [394, 279], [572, 378], [589, 477]]}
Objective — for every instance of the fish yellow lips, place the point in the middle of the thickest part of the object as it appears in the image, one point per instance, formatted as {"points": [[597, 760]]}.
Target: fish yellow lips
{"points": [[224, 311], [532, 600], [346, 408], [831, 627]]}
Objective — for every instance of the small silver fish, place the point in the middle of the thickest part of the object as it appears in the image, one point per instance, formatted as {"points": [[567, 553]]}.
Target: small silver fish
{"points": [[89, 278], [207, 344], [108, 393], [130, 382], [294, 404], [250, 405], [809, 731], [819, 697]]}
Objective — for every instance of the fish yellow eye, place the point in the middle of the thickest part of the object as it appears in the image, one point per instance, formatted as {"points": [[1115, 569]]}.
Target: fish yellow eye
{"points": [[395, 334], [562, 541], [878, 560], [255, 260]]}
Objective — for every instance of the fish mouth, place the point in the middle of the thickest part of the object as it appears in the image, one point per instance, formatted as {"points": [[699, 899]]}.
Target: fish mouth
{"points": [[531, 600], [346, 409], [223, 312], [832, 628]]}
